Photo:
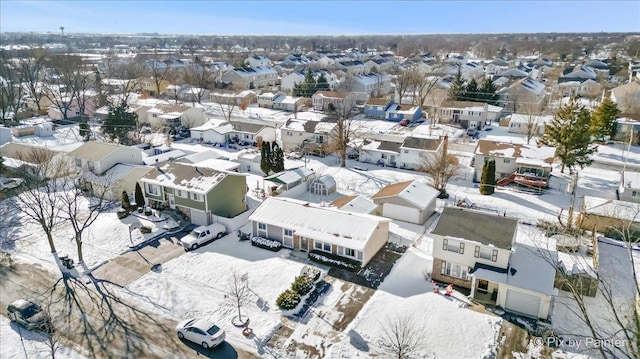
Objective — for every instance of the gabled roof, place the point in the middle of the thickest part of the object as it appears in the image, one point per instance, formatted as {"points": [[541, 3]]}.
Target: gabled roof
{"points": [[421, 143], [626, 211], [461, 104], [15, 150], [184, 176], [415, 192], [471, 225], [389, 146], [355, 204], [515, 150], [377, 101], [247, 127], [529, 270], [290, 176], [351, 230], [331, 94], [95, 151]]}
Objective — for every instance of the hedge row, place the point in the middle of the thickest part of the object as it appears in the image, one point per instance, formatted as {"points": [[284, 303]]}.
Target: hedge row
{"points": [[334, 260]]}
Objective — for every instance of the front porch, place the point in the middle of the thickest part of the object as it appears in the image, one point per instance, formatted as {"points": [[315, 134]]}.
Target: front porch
{"points": [[485, 283]]}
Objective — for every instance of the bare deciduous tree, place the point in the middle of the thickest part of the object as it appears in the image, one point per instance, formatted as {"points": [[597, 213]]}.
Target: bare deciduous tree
{"points": [[11, 88], [32, 69], [66, 80], [39, 201], [442, 167], [402, 337], [532, 125], [238, 292], [345, 131]]}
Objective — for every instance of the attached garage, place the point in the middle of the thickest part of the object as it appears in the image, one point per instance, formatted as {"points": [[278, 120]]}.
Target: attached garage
{"points": [[402, 213], [523, 303], [199, 217]]}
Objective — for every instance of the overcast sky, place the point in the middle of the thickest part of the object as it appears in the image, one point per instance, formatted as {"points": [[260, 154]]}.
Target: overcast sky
{"points": [[301, 17]]}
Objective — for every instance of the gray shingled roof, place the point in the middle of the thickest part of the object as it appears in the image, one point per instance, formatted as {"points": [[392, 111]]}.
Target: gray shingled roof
{"points": [[477, 226], [420, 143]]}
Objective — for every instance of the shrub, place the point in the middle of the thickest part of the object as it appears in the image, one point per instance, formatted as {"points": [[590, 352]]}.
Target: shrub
{"points": [[122, 213], [289, 299], [334, 260], [145, 229], [302, 285], [147, 211], [266, 244]]}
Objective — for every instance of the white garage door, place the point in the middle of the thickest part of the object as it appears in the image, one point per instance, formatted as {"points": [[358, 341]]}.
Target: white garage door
{"points": [[522, 303], [199, 217], [402, 213]]}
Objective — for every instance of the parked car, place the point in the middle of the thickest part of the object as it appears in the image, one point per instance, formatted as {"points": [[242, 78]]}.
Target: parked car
{"points": [[471, 132], [28, 314], [10, 183], [201, 332], [202, 234]]}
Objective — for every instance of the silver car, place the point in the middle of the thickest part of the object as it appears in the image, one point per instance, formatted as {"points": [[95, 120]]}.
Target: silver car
{"points": [[28, 314], [201, 332]]}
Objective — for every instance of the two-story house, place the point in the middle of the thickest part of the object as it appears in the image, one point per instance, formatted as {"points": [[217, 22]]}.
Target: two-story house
{"points": [[368, 85], [524, 92], [257, 61], [311, 136], [175, 115], [202, 194], [526, 165], [98, 157], [315, 229], [251, 77], [478, 250], [467, 114], [325, 100], [418, 152]]}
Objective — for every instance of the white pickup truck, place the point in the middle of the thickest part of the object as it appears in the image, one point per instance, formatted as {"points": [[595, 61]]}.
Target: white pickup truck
{"points": [[203, 234]]}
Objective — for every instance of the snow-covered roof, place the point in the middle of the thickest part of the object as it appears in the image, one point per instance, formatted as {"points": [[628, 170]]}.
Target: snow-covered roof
{"points": [[532, 162], [630, 179], [530, 270], [419, 194], [190, 178], [382, 146], [163, 157], [211, 124], [355, 204], [290, 176], [200, 156], [523, 118], [218, 164], [515, 150], [626, 211], [351, 230]]}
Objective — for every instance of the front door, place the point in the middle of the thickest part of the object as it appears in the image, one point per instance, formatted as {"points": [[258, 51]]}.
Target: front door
{"points": [[304, 244], [172, 201]]}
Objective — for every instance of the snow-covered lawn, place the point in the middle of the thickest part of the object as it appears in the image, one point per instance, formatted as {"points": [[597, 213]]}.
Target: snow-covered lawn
{"points": [[440, 320], [17, 343], [106, 238], [196, 285]]}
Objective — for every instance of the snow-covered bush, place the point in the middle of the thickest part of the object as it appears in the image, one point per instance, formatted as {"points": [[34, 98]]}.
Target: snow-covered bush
{"points": [[334, 260], [122, 213], [302, 285], [289, 299], [266, 243], [145, 229]]}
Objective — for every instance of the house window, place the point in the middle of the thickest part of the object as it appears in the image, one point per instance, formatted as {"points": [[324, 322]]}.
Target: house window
{"points": [[90, 165], [78, 162], [483, 285], [383, 156], [180, 193], [486, 253], [289, 133], [406, 151], [634, 194], [507, 160], [151, 189], [197, 197], [453, 246], [322, 246], [262, 230], [454, 270], [288, 233]]}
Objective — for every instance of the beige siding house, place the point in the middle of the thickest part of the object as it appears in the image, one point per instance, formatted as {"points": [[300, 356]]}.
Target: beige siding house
{"points": [[99, 157]]}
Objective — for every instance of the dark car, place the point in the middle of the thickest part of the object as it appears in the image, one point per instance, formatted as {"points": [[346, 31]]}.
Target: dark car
{"points": [[28, 314]]}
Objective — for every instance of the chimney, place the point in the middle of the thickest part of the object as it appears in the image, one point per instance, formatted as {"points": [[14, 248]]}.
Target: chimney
{"points": [[197, 170], [157, 165]]}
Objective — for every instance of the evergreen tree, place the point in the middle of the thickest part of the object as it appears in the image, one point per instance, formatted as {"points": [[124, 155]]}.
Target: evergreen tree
{"points": [[471, 91], [1, 164], [126, 204], [139, 197], [569, 133], [277, 159], [603, 122], [84, 130], [265, 157], [488, 179], [322, 84], [488, 93], [102, 96], [308, 84], [457, 89], [119, 122]]}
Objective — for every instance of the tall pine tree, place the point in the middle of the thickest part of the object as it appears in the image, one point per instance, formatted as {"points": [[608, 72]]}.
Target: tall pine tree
{"points": [[138, 196], [119, 122], [277, 158], [488, 178], [265, 157], [603, 121], [569, 132], [488, 93], [471, 91], [322, 84], [457, 89]]}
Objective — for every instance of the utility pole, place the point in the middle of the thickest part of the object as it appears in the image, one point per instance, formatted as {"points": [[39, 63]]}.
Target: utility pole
{"points": [[573, 201]]}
